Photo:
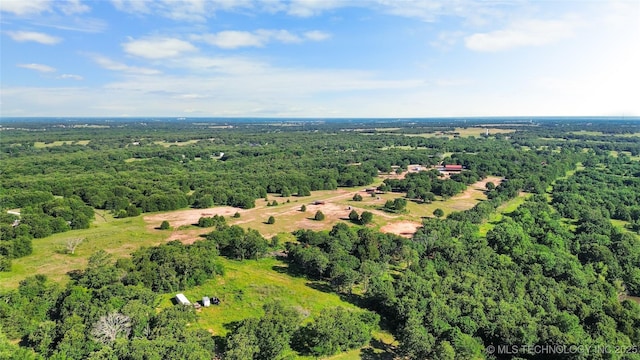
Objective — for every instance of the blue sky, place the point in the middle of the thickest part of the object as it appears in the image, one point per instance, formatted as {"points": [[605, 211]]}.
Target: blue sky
{"points": [[319, 58]]}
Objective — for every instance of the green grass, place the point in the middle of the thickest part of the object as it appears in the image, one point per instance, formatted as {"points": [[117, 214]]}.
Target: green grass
{"points": [[600, 133], [40, 144], [464, 132], [176, 143], [119, 237], [247, 286], [506, 208]]}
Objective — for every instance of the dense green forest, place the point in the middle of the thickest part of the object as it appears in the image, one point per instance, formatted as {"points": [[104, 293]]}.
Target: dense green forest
{"points": [[559, 272]]}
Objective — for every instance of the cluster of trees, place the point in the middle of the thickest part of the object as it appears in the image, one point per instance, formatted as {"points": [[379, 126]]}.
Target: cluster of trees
{"points": [[102, 314], [54, 215], [345, 256], [396, 205], [172, 266], [614, 189], [280, 330], [238, 243], [591, 198], [363, 219], [425, 185], [216, 220], [449, 291]]}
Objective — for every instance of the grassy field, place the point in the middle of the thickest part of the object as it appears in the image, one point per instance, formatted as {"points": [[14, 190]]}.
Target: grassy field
{"points": [[628, 153], [599, 133], [40, 144], [175, 143], [119, 237], [506, 208], [464, 132], [248, 285]]}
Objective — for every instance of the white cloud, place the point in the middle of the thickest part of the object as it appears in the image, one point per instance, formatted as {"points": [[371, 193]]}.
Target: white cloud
{"points": [[109, 64], [34, 7], [232, 39], [42, 38], [38, 67], [283, 36], [522, 33], [317, 35], [307, 8], [70, 7], [181, 10], [158, 48], [25, 7], [220, 65], [71, 76]]}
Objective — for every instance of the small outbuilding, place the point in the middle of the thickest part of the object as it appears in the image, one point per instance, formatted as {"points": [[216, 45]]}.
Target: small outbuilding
{"points": [[182, 300]]}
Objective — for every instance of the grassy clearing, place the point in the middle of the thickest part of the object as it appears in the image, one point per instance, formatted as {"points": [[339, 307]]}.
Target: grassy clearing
{"points": [[119, 237], [129, 160], [464, 132], [175, 143], [615, 154], [403, 147], [338, 205], [600, 133], [40, 144], [248, 285], [504, 209]]}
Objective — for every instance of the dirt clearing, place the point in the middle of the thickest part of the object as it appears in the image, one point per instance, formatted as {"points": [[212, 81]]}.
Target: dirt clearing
{"points": [[189, 217], [402, 228]]}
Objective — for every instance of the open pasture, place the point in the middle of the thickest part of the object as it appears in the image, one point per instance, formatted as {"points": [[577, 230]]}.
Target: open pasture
{"points": [[464, 132], [120, 237], [42, 144], [175, 143]]}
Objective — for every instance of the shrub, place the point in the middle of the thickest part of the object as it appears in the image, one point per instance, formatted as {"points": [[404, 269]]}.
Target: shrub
{"points": [[165, 225]]}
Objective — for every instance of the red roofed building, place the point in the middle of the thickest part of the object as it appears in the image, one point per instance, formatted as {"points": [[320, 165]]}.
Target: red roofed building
{"points": [[453, 168]]}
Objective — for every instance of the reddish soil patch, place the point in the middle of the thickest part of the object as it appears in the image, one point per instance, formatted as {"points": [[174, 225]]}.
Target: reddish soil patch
{"points": [[402, 228], [189, 217], [478, 186]]}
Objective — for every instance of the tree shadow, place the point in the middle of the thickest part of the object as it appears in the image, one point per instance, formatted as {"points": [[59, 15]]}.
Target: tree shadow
{"points": [[346, 297], [378, 350], [289, 269], [321, 286]]}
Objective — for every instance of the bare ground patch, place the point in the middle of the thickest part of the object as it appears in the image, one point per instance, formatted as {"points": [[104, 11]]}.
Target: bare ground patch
{"points": [[189, 217], [402, 228], [479, 186]]}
